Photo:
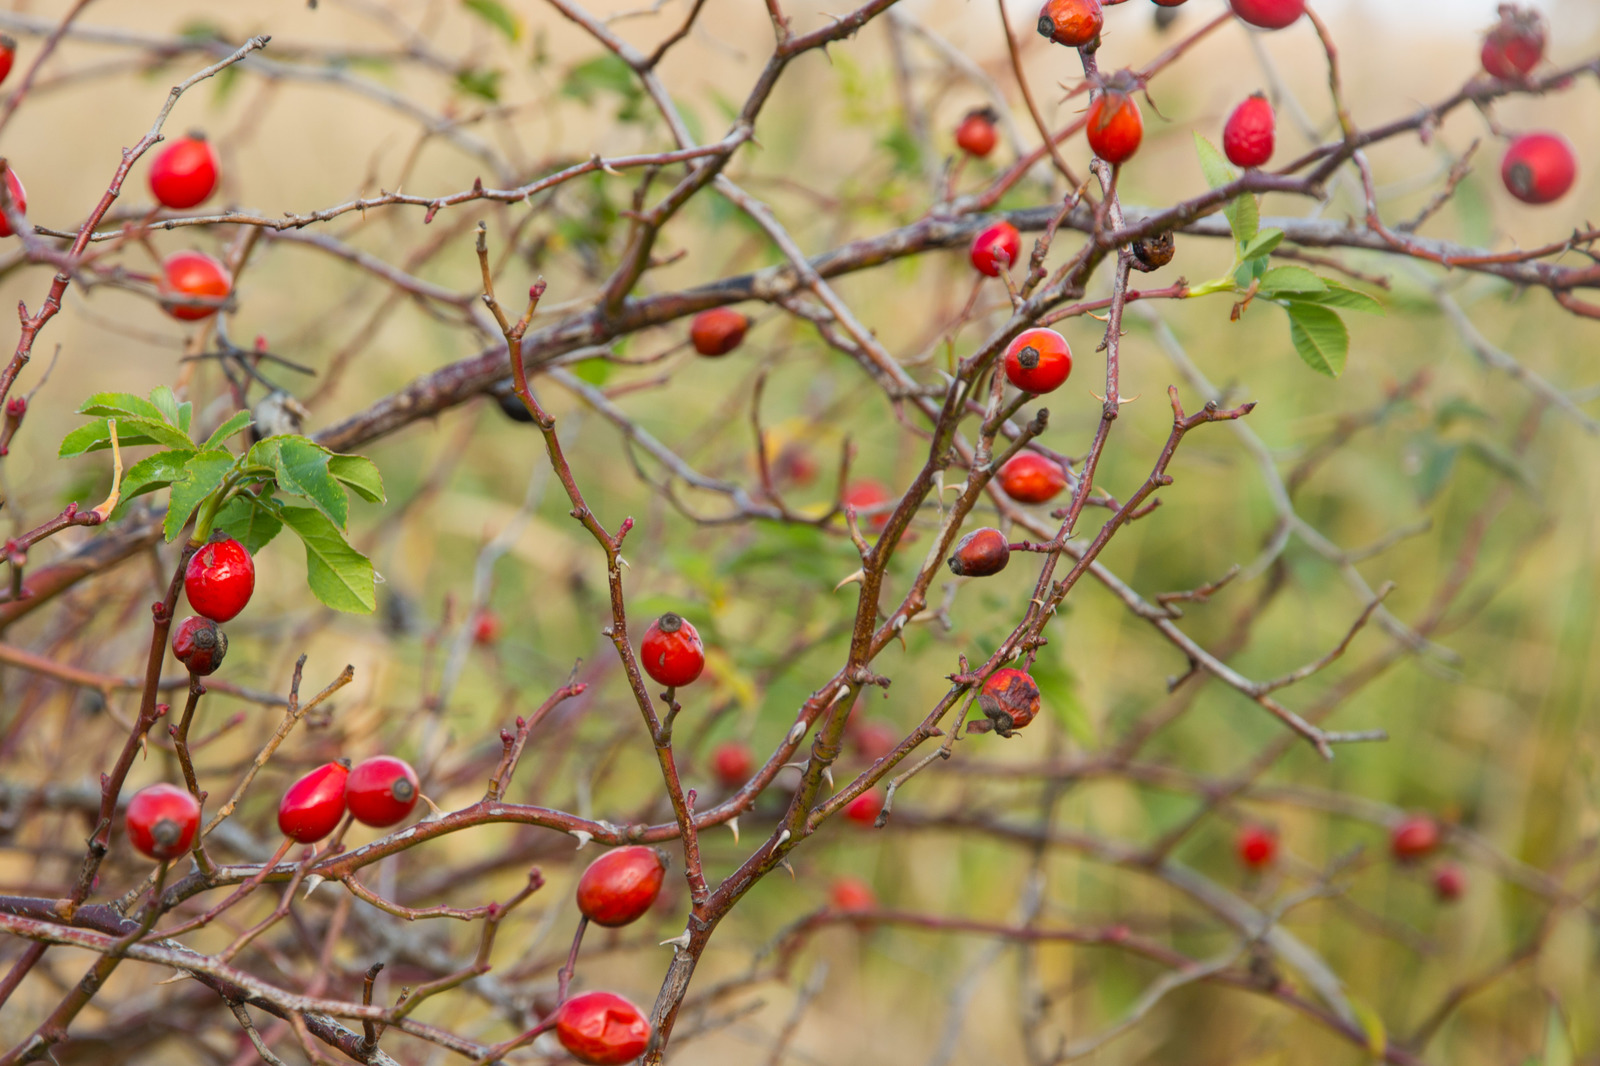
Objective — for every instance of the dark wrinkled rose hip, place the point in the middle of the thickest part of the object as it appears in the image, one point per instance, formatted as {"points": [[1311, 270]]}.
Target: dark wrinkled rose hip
{"points": [[1010, 700]]}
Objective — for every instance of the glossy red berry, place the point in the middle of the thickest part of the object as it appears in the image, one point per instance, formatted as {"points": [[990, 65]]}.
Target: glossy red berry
{"points": [[191, 277], [19, 200], [1170, 3], [8, 55], [1269, 14], [1038, 360], [976, 135], [1539, 167], [863, 810], [1515, 44], [733, 763], [1029, 477], [1010, 699], [314, 804], [671, 651], [1073, 23], [1449, 883], [718, 331], [996, 249], [866, 495], [198, 644], [851, 894], [219, 579], [185, 172], [620, 885], [1414, 838], [601, 1029], [381, 791], [980, 553], [1114, 126], [1248, 136], [162, 821], [1256, 846], [486, 627]]}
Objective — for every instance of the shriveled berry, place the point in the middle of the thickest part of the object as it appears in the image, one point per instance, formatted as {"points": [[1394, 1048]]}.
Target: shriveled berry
{"points": [[8, 54], [996, 249], [718, 331], [219, 579], [1539, 168], [162, 821], [1256, 846], [198, 644], [1074, 23], [976, 135], [188, 280], [1029, 477], [733, 763], [601, 1029], [1449, 883], [620, 885], [1038, 360], [671, 651], [1269, 14], [865, 495], [980, 553], [1414, 838], [185, 172], [863, 810], [1010, 700], [381, 791], [1515, 44], [1114, 126], [850, 894], [1155, 252], [313, 805], [19, 200], [1250, 132]]}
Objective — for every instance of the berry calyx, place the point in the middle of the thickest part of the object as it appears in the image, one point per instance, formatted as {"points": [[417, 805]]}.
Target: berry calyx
{"points": [[733, 763], [718, 331], [850, 894], [1010, 700], [187, 279], [1248, 136], [1074, 23], [1114, 126], [601, 1029], [1515, 44], [8, 54], [976, 135], [1029, 477], [162, 821], [19, 200], [1539, 168], [620, 885], [486, 627], [185, 172], [1414, 838], [865, 495], [1449, 883], [219, 579], [671, 652], [1038, 360], [198, 644], [996, 249], [980, 553], [1269, 14], [863, 810], [381, 791], [1256, 846], [314, 804]]}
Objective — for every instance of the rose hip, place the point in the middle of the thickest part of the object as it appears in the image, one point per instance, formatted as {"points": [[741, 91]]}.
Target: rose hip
{"points": [[620, 885]]}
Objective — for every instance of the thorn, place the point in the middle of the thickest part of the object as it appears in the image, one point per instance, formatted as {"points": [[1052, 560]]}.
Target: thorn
{"points": [[785, 864], [583, 835], [859, 575], [733, 823], [311, 884], [434, 813], [783, 838], [827, 775], [679, 942]]}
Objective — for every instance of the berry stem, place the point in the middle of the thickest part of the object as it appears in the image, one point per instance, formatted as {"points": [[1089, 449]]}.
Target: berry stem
{"points": [[564, 976], [180, 744]]}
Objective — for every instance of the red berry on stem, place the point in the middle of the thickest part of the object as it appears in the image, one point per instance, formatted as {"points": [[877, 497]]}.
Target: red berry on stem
{"points": [[1038, 360], [219, 579], [864, 495], [996, 249], [162, 821], [1269, 14], [1114, 125], [486, 627], [976, 135], [863, 810], [1248, 137], [980, 553], [851, 894], [1539, 167], [1449, 883], [19, 200], [381, 791], [733, 763], [671, 651], [1031, 478], [1256, 846], [314, 804], [1515, 44], [718, 331], [1010, 699], [1415, 837], [601, 1029], [198, 644], [620, 885], [185, 172], [1073, 23], [8, 54], [188, 277]]}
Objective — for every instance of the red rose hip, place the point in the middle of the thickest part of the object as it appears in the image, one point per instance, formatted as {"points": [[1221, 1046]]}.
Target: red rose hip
{"points": [[732, 763], [601, 1029], [980, 553], [1449, 883], [219, 579], [381, 791], [198, 644], [1038, 360], [19, 200], [1414, 838], [1010, 699], [191, 277], [314, 804], [976, 135], [851, 894], [1031, 478], [8, 54], [1256, 846], [718, 331], [1073, 23], [162, 821], [1539, 168], [1114, 126], [1514, 46], [865, 495], [1248, 136], [996, 249], [671, 652], [1269, 14], [620, 885], [863, 810], [486, 627], [185, 172]]}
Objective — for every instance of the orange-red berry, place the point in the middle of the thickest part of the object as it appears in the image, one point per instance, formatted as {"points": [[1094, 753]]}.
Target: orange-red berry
{"points": [[671, 652], [162, 821], [1114, 126], [620, 885], [868, 495], [1256, 846], [188, 280], [1038, 360], [1515, 44], [1449, 883], [185, 172], [601, 1029], [733, 763], [1269, 14], [1010, 700], [381, 791], [19, 200], [1073, 23], [718, 331], [313, 805], [1250, 132], [1414, 838], [1539, 168], [220, 579], [863, 810], [976, 135], [996, 249], [980, 553], [1029, 477], [851, 894]]}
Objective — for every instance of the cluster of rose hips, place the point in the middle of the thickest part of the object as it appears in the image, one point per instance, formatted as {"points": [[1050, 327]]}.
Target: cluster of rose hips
{"points": [[218, 581], [380, 792], [1411, 840]]}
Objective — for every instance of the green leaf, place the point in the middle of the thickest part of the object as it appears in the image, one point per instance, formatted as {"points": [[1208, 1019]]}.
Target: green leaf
{"points": [[203, 473], [233, 425], [1290, 279], [152, 473], [484, 84], [1371, 1023], [496, 15], [117, 404], [302, 470], [131, 432], [1263, 243], [1558, 1049], [1343, 296], [1244, 218], [1438, 460], [1213, 164], [249, 521], [1250, 270], [360, 473], [606, 73], [164, 401], [339, 576], [1499, 460], [1319, 337]]}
